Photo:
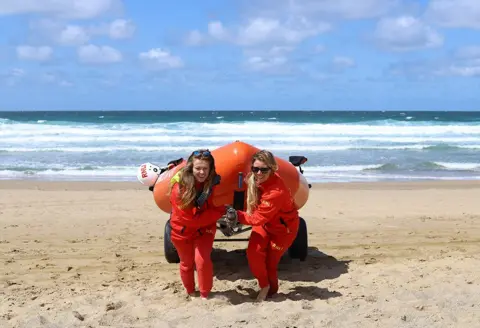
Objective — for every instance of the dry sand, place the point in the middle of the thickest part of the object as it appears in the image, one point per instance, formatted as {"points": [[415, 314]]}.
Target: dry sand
{"points": [[382, 255]]}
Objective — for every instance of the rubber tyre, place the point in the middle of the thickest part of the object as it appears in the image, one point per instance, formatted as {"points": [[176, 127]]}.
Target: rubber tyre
{"points": [[170, 251], [299, 247]]}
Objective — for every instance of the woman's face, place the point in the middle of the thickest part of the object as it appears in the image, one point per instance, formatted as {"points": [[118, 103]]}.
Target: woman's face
{"points": [[261, 171], [201, 169]]}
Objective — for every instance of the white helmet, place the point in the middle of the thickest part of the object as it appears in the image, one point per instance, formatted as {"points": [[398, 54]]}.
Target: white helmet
{"points": [[148, 174]]}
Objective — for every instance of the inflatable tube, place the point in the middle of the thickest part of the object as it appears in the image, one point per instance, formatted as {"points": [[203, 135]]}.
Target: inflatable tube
{"points": [[233, 163]]}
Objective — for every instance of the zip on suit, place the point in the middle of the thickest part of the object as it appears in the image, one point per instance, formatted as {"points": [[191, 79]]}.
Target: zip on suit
{"points": [[275, 224]]}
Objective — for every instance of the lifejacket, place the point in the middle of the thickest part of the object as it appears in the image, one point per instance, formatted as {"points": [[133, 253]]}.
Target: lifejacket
{"points": [[197, 220]]}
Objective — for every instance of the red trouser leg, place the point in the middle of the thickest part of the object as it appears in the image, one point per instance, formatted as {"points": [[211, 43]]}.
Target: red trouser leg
{"points": [[277, 247], [203, 262], [264, 253], [193, 254], [186, 252], [257, 255]]}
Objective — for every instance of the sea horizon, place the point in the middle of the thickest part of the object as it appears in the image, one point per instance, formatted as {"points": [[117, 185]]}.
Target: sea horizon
{"points": [[238, 110]]}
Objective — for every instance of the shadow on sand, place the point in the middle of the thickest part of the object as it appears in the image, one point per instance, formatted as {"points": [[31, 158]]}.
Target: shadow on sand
{"points": [[233, 265], [298, 293]]}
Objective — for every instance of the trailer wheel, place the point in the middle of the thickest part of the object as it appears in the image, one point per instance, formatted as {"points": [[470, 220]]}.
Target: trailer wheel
{"points": [[170, 251], [299, 247]]}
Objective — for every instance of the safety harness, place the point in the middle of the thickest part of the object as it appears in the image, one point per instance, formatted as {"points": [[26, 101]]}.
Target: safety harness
{"points": [[201, 196]]}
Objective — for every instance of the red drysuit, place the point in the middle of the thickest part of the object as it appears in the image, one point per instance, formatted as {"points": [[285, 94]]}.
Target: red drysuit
{"points": [[193, 232], [275, 224]]}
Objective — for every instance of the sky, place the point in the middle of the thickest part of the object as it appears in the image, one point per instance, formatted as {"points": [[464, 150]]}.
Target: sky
{"points": [[240, 55]]}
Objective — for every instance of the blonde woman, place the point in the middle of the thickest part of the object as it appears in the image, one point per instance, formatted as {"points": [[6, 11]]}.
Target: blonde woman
{"points": [[272, 213]]}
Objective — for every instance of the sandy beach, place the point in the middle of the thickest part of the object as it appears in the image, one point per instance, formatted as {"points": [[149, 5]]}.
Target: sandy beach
{"points": [[81, 254]]}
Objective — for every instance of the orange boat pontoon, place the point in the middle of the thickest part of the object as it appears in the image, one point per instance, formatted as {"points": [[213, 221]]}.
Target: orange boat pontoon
{"points": [[233, 162]]}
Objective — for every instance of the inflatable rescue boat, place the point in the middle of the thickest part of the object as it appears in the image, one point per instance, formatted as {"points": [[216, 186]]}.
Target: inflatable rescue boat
{"points": [[232, 162]]}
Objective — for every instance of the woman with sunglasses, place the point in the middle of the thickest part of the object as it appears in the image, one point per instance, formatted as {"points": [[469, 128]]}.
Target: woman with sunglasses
{"points": [[193, 220], [272, 213]]}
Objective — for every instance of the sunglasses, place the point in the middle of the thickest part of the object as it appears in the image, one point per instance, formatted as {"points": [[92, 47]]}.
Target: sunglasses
{"points": [[201, 153], [256, 169]]}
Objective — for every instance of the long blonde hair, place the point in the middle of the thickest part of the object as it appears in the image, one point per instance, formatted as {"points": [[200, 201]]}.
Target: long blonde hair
{"points": [[187, 180], [252, 191]]}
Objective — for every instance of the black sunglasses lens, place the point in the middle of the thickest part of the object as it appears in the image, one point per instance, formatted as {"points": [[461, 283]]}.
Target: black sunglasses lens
{"points": [[262, 169]]}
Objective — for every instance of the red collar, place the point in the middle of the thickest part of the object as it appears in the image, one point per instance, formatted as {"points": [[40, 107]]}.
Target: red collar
{"points": [[270, 181]]}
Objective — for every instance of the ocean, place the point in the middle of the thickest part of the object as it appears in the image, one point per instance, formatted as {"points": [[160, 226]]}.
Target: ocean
{"points": [[341, 146]]}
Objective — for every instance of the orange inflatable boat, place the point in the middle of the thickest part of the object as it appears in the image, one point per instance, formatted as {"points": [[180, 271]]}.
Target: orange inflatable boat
{"points": [[233, 162]]}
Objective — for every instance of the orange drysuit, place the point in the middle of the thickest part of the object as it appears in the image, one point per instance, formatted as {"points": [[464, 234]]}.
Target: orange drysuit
{"points": [[275, 224], [193, 233]]}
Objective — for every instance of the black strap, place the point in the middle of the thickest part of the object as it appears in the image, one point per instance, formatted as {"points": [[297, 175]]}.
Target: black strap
{"points": [[203, 196]]}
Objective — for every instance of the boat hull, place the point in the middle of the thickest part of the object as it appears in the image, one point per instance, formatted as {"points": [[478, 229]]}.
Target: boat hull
{"points": [[233, 162]]}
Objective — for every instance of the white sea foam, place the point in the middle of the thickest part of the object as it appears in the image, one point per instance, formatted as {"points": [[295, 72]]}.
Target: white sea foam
{"points": [[242, 129], [460, 166], [335, 152], [312, 173]]}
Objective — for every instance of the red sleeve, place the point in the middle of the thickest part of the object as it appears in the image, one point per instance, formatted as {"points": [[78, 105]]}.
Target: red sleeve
{"points": [[270, 203], [187, 216]]}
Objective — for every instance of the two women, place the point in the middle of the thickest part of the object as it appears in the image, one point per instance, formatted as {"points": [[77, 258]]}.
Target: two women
{"points": [[270, 210]]}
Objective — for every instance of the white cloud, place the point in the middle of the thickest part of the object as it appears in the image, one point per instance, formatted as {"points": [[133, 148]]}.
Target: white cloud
{"points": [[274, 60], [260, 31], [217, 31], [70, 9], [42, 53], [464, 71], [273, 51], [405, 33], [258, 63], [323, 9], [121, 29], [117, 29], [454, 13], [265, 31], [288, 22], [92, 54], [465, 63], [73, 35], [340, 9], [159, 59]]}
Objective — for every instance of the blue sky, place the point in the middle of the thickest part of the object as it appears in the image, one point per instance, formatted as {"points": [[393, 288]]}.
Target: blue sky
{"points": [[240, 54]]}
